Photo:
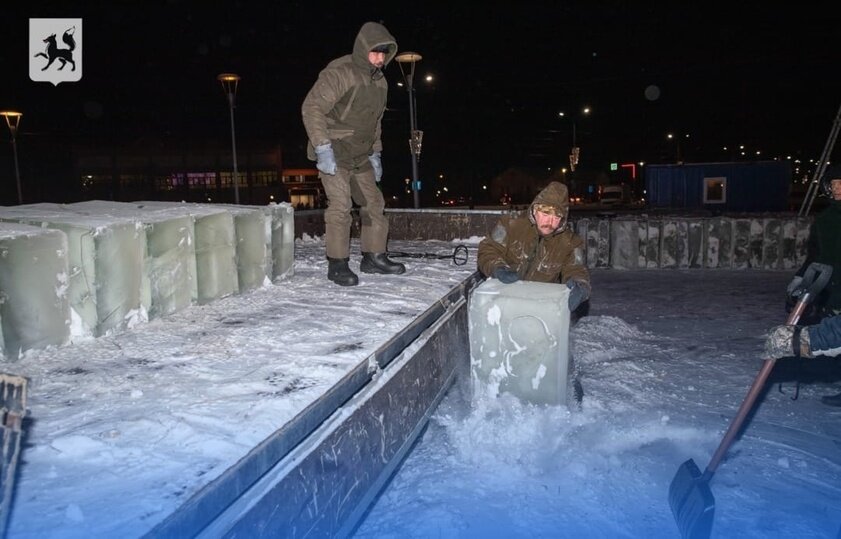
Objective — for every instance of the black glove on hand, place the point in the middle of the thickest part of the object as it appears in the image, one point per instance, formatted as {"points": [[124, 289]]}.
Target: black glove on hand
{"points": [[506, 275], [577, 294], [793, 290]]}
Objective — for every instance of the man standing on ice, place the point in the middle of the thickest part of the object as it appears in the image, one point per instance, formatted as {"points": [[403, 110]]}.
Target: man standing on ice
{"points": [[342, 114]]}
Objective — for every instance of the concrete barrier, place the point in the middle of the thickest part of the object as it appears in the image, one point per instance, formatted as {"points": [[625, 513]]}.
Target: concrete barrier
{"points": [[696, 242], [624, 242]]}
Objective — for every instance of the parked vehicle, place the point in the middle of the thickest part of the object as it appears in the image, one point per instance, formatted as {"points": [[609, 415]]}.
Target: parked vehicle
{"points": [[614, 194]]}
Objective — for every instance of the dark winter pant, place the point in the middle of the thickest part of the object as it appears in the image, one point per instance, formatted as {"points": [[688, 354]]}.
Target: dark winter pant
{"points": [[342, 189]]}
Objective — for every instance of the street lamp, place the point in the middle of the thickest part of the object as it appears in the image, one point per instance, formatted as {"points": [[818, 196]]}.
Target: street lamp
{"points": [[672, 136], [574, 153], [230, 81], [415, 135], [13, 121]]}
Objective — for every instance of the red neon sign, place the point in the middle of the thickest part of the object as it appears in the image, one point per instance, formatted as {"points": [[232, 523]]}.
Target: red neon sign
{"points": [[633, 167]]}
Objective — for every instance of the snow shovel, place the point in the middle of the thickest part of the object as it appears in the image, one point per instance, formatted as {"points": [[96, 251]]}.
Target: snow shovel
{"points": [[459, 255], [12, 411], [690, 497]]}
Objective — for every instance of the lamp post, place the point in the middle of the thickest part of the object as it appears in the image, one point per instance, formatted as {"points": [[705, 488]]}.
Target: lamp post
{"points": [[679, 156], [230, 82], [13, 121], [574, 153], [415, 135]]}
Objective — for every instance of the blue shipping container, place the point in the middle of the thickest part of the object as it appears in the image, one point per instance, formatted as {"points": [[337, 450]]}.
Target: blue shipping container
{"points": [[733, 187]]}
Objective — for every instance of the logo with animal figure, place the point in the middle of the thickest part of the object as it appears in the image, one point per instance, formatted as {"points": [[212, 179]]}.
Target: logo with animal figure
{"points": [[51, 60]]}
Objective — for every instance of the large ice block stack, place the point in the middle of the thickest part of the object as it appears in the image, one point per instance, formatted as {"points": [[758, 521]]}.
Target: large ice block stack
{"points": [[170, 263], [105, 258], [216, 261], [34, 311], [283, 239], [519, 340]]}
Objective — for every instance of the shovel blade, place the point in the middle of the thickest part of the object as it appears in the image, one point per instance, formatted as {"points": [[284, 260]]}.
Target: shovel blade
{"points": [[692, 502]]}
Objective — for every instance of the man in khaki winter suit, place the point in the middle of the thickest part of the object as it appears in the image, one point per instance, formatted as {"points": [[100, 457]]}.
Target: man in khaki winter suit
{"points": [[342, 114], [538, 246]]}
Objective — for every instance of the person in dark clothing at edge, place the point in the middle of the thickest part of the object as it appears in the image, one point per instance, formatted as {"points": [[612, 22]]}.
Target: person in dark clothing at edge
{"points": [[825, 247], [539, 246], [342, 114]]}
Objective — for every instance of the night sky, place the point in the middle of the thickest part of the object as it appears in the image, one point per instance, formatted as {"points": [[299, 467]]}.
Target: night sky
{"points": [[755, 74]]}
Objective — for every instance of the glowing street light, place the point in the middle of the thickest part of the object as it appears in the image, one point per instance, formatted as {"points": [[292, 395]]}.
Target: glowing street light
{"points": [[415, 135], [672, 136], [230, 82], [13, 121], [575, 153]]}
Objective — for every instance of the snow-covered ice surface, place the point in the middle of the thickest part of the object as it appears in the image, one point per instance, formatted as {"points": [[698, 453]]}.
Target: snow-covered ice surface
{"points": [[125, 428], [667, 357]]}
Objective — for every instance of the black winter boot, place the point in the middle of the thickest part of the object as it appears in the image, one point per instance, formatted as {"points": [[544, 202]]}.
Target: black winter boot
{"points": [[379, 263], [339, 272], [832, 400]]}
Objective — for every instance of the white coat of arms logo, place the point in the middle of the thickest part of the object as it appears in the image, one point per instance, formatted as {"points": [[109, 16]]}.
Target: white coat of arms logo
{"points": [[55, 50]]}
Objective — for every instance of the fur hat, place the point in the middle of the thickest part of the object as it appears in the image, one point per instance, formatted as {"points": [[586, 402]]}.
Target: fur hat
{"points": [[551, 209]]}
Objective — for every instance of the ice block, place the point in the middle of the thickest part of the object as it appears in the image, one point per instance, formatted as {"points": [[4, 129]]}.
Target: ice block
{"points": [[519, 340], [170, 262], [105, 258], [34, 310], [216, 267], [253, 245], [283, 239]]}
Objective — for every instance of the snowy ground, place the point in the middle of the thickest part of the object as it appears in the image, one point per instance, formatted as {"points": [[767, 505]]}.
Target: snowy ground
{"points": [[125, 428], [667, 357]]}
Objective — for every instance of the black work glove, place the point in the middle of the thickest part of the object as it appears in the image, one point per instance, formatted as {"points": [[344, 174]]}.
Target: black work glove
{"points": [[506, 275], [577, 294], [793, 290]]}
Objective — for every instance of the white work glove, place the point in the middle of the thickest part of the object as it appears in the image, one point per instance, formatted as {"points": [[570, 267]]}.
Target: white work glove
{"points": [[326, 160], [377, 162]]}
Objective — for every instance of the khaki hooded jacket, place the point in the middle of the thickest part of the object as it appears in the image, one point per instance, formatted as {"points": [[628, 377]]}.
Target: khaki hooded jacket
{"points": [[346, 104], [515, 242]]}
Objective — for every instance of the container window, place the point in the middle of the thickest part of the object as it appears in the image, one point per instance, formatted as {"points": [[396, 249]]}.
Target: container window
{"points": [[715, 190]]}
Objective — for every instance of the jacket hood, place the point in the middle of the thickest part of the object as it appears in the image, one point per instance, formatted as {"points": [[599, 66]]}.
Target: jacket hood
{"points": [[832, 172], [554, 194], [370, 36]]}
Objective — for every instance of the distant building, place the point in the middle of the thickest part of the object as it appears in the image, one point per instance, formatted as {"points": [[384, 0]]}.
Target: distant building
{"points": [[303, 187], [195, 174]]}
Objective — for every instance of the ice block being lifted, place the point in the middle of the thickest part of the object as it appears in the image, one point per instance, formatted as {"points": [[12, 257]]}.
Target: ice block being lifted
{"points": [[519, 340]]}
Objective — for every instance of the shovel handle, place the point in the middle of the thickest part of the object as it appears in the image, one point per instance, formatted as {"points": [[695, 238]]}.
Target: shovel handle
{"points": [[736, 424], [815, 279]]}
